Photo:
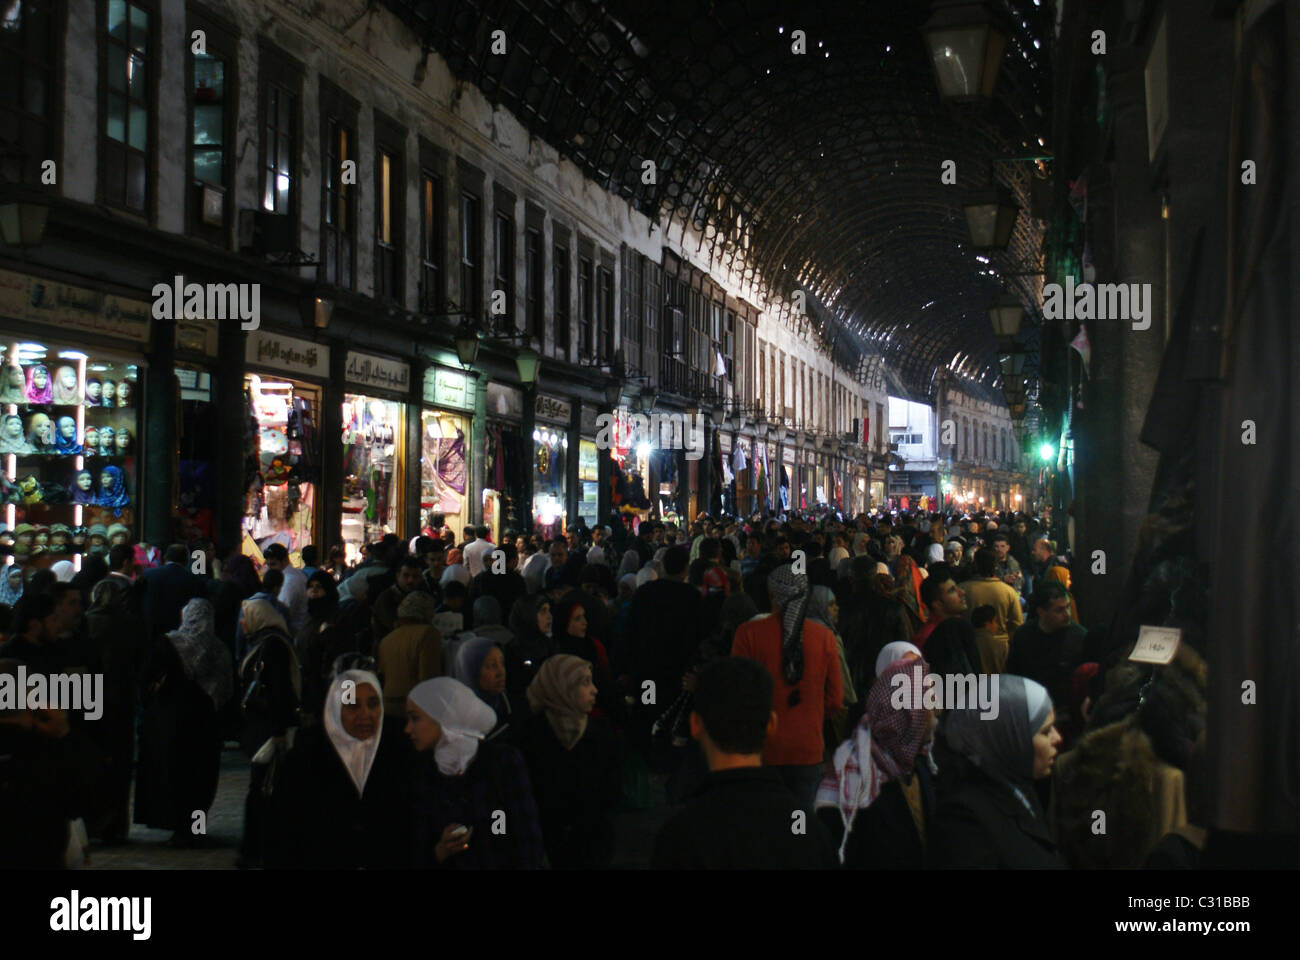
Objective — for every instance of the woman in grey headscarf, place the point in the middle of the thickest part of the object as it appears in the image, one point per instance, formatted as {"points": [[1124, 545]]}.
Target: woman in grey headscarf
{"points": [[187, 681], [824, 609], [11, 585], [989, 815]]}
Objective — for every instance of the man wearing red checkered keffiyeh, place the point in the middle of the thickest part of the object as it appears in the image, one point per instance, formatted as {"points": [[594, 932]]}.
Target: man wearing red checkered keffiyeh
{"points": [[884, 747]]}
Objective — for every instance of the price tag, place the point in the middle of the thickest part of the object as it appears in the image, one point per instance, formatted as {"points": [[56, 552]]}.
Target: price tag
{"points": [[1156, 644]]}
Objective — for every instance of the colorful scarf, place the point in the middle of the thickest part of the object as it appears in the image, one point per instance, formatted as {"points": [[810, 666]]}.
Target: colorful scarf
{"points": [[44, 395], [790, 591], [884, 747], [116, 496]]}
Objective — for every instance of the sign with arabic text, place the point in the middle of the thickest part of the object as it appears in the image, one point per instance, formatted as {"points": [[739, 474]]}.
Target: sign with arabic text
{"points": [[372, 371], [266, 348], [448, 388], [37, 300], [553, 409]]}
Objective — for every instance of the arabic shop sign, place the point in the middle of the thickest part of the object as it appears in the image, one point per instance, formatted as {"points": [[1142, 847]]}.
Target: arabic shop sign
{"points": [[372, 371], [37, 300], [287, 354], [448, 388], [552, 409]]}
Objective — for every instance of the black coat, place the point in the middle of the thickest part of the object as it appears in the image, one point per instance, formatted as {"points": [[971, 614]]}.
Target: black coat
{"points": [[1049, 658], [742, 819], [164, 592], [577, 791], [884, 835], [44, 783], [317, 820], [981, 824]]}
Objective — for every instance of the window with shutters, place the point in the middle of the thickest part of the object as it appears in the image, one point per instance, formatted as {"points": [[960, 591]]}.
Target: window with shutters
{"points": [[605, 314], [471, 254], [390, 210], [432, 241], [586, 308], [563, 287], [503, 251], [339, 198], [534, 278]]}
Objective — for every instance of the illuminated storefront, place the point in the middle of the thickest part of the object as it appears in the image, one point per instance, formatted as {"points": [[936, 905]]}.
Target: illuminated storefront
{"points": [[444, 452], [374, 450]]}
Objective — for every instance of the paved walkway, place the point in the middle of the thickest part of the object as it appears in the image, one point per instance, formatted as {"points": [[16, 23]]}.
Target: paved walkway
{"points": [[149, 850]]}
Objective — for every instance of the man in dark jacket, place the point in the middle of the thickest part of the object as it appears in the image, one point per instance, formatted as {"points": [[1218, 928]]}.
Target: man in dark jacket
{"points": [[165, 590], [1049, 647], [743, 817], [665, 621]]}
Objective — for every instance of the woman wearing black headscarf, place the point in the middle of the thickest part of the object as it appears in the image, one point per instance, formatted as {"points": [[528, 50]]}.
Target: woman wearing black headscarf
{"points": [[571, 637], [320, 642], [117, 646], [989, 815], [533, 628]]}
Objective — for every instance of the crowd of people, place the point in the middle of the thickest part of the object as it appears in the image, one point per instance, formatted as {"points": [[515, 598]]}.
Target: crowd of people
{"points": [[458, 703]]}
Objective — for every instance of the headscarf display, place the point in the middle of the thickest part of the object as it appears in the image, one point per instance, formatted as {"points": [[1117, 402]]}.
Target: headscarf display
{"points": [[10, 594], [464, 718], [1003, 746], [12, 439], [258, 615], [555, 691], [64, 444], [12, 385], [40, 433], [205, 658], [66, 391], [37, 394], [79, 495], [790, 591], [357, 756], [114, 496], [466, 663], [883, 747], [64, 571]]}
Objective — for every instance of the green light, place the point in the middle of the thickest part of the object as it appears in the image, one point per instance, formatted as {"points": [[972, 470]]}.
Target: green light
{"points": [[1047, 452]]}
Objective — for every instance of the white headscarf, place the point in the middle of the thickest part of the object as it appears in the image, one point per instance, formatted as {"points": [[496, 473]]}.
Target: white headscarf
{"points": [[358, 756], [464, 718], [892, 652], [935, 553], [64, 570], [645, 575]]}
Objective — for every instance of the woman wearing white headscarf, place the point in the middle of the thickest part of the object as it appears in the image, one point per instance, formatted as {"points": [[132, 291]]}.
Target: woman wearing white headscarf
{"points": [[63, 571], [989, 815], [342, 791], [474, 807]]}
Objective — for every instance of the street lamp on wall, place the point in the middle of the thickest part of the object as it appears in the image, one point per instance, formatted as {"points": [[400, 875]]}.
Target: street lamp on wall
{"points": [[22, 223], [467, 344], [527, 362], [991, 219], [965, 49]]}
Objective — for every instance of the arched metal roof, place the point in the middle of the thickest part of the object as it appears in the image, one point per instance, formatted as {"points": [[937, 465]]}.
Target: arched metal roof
{"points": [[821, 169]]}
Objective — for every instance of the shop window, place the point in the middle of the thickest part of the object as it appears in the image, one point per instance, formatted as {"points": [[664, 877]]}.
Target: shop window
{"points": [[550, 450], [198, 455], [284, 456], [374, 432], [68, 432], [28, 58], [444, 468], [127, 70]]}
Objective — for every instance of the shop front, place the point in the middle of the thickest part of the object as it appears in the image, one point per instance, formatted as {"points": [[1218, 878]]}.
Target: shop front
{"points": [[549, 467], [375, 411], [70, 379], [504, 475], [198, 438], [446, 426], [284, 386]]}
